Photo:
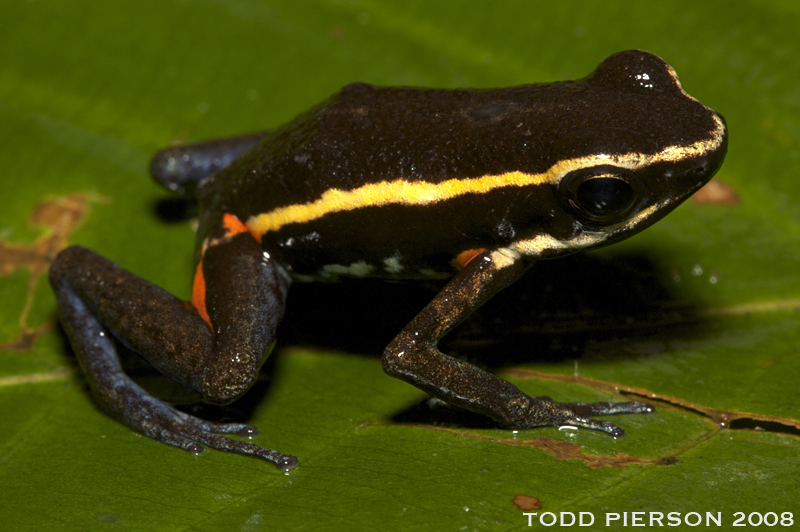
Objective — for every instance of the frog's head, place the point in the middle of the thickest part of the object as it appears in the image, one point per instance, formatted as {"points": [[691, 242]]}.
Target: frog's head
{"points": [[640, 146]]}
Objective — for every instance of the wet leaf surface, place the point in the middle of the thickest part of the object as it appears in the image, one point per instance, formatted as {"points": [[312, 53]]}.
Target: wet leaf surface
{"points": [[700, 312]]}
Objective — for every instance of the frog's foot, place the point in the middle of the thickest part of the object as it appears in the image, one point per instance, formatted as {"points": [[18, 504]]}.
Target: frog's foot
{"points": [[163, 422], [545, 411]]}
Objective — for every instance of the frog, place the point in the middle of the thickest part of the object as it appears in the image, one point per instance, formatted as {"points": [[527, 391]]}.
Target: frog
{"points": [[470, 185]]}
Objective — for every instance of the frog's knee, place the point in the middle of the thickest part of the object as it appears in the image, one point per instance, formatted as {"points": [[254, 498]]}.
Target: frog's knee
{"points": [[66, 260], [225, 383]]}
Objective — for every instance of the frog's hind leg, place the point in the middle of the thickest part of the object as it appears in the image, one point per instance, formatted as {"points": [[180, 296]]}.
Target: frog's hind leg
{"points": [[180, 168], [413, 356], [96, 298]]}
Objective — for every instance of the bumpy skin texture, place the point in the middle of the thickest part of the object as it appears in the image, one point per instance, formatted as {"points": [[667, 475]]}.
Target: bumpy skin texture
{"points": [[400, 183]]}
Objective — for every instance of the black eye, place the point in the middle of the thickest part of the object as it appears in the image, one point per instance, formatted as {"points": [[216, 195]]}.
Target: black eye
{"points": [[604, 198], [601, 195]]}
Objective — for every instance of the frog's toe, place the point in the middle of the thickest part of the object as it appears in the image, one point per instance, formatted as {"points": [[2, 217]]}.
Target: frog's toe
{"points": [[209, 434], [608, 409], [571, 418], [286, 462], [544, 411], [162, 422], [170, 437], [604, 426], [240, 429]]}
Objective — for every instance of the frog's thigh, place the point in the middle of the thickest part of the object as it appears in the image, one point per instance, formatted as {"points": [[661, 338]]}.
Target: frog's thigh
{"points": [[244, 297], [245, 294], [96, 296]]}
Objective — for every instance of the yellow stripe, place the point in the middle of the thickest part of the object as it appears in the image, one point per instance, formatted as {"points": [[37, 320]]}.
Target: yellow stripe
{"points": [[402, 192]]}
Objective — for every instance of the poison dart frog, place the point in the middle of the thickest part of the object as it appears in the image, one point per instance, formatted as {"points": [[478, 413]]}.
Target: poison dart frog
{"points": [[401, 183]]}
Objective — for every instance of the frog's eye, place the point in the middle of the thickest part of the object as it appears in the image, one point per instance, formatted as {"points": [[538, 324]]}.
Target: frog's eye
{"points": [[600, 197]]}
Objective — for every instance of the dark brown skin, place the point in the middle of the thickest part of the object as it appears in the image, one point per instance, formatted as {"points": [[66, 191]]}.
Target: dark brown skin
{"points": [[366, 134], [399, 183]]}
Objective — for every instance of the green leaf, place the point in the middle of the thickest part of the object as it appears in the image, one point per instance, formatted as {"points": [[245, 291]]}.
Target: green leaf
{"points": [[699, 313]]}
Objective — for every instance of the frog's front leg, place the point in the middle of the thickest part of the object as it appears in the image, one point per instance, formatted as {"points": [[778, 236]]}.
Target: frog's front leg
{"points": [[414, 357], [215, 346]]}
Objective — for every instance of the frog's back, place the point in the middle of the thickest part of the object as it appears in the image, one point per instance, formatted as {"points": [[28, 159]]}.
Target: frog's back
{"points": [[366, 134], [387, 172]]}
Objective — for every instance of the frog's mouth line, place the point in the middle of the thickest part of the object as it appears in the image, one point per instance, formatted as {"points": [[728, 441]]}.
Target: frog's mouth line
{"points": [[544, 244]]}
